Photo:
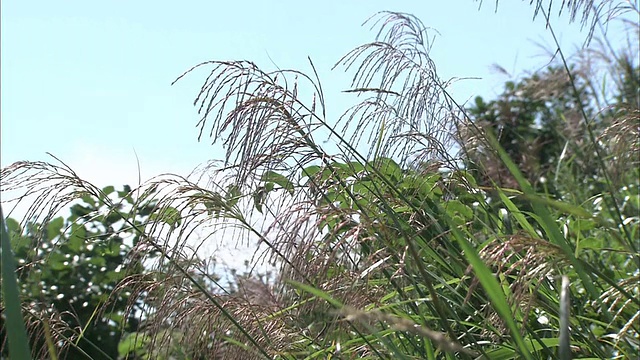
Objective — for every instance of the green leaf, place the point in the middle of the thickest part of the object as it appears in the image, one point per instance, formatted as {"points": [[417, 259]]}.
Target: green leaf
{"points": [[88, 199], [562, 206], [259, 196], [403, 209], [467, 178], [279, 179], [113, 216], [591, 243], [233, 195], [126, 190], [77, 237], [316, 292], [112, 249], [349, 169], [98, 261], [114, 276], [108, 190], [168, 215], [311, 171], [56, 261], [79, 211], [13, 226], [388, 168], [54, 227], [133, 343], [516, 213], [456, 208], [21, 245]]}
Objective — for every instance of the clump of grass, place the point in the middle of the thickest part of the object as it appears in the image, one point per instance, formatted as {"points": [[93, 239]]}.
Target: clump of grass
{"points": [[395, 246]]}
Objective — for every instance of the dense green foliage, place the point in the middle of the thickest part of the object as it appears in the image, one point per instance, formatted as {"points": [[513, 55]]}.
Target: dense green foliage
{"points": [[533, 120], [523, 245], [68, 271]]}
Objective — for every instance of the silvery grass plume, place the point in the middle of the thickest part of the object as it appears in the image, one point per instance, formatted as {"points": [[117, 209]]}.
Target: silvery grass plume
{"points": [[590, 13]]}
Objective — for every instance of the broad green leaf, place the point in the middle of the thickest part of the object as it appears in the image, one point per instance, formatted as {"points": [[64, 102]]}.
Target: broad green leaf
{"points": [[591, 243], [429, 186], [456, 208], [75, 243], [98, 261], [388, 168], [364, 188], [126, 191], [349, 169], [13, 227], [311, 171], [20, 244], [403, 209], [233, 195], [112, 249], [54, 227], [212, 201], [466, 177], [89, 199], [133, 343], [108, 190], [79, 211], [114, 276], [57, 261], [113, 216], [168, 215], [356, 167], [77, 237], [268, 187], [279, 179]]}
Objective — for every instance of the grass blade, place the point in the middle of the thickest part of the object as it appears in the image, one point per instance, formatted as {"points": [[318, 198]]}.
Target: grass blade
{"points": [[18, 341], [564, 350], [491, 286], [550, 227]]}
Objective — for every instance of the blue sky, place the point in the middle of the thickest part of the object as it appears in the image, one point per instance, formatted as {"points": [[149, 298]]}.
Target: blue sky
{"points": [[90, 81]]}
